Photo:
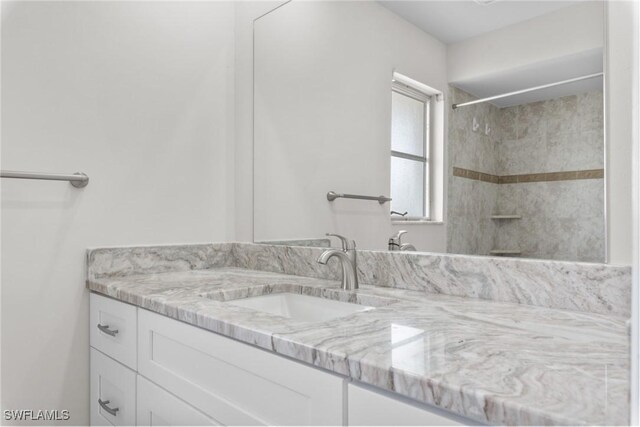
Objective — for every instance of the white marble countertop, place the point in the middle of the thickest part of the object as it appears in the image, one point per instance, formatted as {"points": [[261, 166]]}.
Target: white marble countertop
{"points": [[497, 363]]}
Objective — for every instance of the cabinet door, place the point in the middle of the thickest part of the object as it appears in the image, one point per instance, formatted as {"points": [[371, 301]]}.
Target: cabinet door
{"points": [[157, 407], [113, 392], [235, 383], [113, 329], [370, 408]]}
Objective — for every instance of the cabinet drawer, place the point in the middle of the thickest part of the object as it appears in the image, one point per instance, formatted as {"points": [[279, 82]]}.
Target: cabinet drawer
{"points": [[113, 329], [157, 407], [234, 383], [370, 408], [113, 392]]}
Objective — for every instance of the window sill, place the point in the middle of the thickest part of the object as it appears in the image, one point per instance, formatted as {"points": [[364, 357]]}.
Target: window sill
{"points": [[415, 221]]}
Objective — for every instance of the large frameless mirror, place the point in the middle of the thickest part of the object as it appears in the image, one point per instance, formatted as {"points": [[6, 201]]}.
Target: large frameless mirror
{"points": [[462, 127]]}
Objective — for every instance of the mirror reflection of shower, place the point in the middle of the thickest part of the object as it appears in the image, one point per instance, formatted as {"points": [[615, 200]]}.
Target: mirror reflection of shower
{"points": [[533, 185]]}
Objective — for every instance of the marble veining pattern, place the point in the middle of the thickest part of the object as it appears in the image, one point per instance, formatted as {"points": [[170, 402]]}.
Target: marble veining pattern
{"points": [[596, 288], [494, 362], [124, 261]]}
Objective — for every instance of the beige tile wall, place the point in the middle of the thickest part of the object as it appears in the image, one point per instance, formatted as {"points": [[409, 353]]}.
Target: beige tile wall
{"points": [[543, 161], [471, 201]]}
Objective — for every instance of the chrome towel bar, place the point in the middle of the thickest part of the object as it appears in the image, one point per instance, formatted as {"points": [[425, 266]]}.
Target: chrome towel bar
{"points": [[332, 195], [78, 179]]}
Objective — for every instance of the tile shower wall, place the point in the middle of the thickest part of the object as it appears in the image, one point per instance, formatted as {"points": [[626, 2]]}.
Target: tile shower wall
{"points": [[560, 219], [472, 202]]}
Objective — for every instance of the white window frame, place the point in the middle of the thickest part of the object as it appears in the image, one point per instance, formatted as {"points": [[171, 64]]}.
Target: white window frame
{"points": [[413, 93]]}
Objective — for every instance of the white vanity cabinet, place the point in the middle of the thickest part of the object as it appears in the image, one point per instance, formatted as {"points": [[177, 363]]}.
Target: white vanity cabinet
{"points": [[372, 408], [158, 407], [113, 391], [148, 369], [113, 329], [233, 382], [174, 373]]}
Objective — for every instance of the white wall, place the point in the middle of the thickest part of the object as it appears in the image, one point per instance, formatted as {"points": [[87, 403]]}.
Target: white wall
{"points": [[139, 95], [323, 116], [563, 33], [619, 130]]}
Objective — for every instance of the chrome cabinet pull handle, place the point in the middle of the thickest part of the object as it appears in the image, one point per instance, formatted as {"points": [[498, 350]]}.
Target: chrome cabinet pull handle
{"points": [[106, 330], [104, 403]]}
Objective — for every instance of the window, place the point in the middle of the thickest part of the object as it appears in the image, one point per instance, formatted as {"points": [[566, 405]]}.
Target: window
{"points": [[410, 135]]}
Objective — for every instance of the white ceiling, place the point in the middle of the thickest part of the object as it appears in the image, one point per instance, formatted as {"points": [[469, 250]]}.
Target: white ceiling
{"points": [[565, 68], [452, 21]]}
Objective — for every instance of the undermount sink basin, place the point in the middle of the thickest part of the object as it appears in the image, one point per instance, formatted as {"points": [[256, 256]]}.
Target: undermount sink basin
{"points": [[304, 308]]}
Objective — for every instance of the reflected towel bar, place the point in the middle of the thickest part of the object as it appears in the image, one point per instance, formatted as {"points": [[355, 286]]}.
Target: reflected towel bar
{"points": [[78, 179], [332, 195]]}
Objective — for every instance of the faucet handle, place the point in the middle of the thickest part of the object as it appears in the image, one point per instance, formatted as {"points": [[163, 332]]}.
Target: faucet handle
{"points": [[347, 244], [398, 235]]}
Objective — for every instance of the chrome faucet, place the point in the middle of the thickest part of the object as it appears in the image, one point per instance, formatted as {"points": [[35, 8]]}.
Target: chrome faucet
{"points": [[348, 259], [395, 242]]}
